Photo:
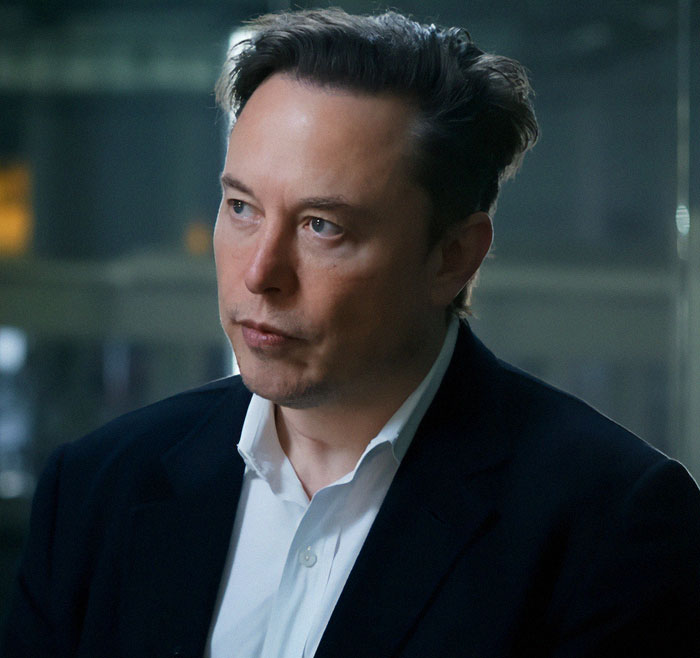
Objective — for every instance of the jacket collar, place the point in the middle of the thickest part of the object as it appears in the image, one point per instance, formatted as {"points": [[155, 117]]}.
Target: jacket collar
{"points": [[442, 499], [180, 534]]}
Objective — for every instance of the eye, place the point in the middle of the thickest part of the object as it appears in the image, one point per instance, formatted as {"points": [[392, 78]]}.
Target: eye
{"points": [[324, 228], [241, 209]]}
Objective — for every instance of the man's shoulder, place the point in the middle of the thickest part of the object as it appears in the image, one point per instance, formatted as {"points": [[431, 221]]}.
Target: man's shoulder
{"points": [[549, 427], [571, 461], [143, 435], [554, 457], [555, 421]]}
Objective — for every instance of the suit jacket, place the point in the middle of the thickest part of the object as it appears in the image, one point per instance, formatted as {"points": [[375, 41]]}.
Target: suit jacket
{"points": [[520, 523]]}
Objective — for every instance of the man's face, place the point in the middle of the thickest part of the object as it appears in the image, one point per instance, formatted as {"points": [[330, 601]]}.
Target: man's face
{"points": [[325, 278]]}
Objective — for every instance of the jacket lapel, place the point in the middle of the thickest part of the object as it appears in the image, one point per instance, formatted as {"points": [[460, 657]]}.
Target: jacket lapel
{"points": [[442, 500], [179, 536]]}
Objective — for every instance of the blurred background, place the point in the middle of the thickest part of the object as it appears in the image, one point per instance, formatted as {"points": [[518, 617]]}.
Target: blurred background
{"points": [[110, 150]]}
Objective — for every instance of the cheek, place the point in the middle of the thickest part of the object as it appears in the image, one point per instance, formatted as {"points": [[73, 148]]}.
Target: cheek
{"points": [[353, 302], [226, 258]]}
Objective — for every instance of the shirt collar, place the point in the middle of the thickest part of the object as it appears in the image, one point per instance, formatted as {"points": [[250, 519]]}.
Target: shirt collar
{"points": [[259, 445], [403, 424]]}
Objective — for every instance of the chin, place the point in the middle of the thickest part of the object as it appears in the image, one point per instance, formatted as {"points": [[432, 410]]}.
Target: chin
{"points": [[295, 394]]}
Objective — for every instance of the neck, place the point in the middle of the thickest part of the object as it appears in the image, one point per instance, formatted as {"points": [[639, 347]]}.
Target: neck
{"points": [[324, 443]]}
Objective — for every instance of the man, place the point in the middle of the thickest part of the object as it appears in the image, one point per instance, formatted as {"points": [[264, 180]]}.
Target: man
{"points": [[378, 483]]}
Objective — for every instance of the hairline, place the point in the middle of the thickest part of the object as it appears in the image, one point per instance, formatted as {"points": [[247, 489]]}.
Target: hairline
{"points": [[436, 225]]}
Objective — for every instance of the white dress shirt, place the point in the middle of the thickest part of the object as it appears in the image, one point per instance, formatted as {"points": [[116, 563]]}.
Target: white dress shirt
{"points": [[289, 556]]}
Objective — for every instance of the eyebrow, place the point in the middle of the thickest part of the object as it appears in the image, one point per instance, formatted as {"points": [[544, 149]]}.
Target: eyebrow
{"points": [[332, 202], [229, 181], [327, 203]]}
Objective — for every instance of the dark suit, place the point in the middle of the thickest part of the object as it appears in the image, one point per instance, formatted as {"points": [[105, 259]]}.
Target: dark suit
{"points": [[520, 523]]}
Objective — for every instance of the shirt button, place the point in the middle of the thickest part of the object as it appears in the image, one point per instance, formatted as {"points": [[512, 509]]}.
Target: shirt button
{"points": [[307, 558]]}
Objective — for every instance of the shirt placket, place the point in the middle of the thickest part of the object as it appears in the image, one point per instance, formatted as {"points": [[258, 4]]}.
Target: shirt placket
{"points": [[304, 578]]}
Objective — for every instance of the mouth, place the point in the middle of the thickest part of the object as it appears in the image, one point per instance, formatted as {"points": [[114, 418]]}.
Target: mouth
{"points": [[261, 335]]}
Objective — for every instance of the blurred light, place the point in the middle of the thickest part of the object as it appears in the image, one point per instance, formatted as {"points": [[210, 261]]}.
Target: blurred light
{"points": [[15, 483], [233, 366], [198, 238], [13, 349], [16, 219], [116, 367], [682, 220]]}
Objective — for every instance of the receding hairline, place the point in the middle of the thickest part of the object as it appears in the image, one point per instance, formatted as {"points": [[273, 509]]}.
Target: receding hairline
{"points": [[415, 123], [341, 87]]}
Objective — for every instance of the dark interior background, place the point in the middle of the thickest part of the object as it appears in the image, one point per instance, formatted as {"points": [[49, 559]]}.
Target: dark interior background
{"points": [[110, 150]]}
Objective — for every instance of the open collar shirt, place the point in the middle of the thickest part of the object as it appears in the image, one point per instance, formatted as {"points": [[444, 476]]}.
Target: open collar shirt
{"points": [[289, 556]]}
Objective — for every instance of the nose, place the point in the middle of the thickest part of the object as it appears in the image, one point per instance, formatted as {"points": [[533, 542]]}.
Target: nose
{"points": [[270, 267]]}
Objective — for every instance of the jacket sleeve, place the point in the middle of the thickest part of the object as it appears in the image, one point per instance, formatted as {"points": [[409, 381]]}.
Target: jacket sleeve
{"points": [[30, 628], [640, 593]]}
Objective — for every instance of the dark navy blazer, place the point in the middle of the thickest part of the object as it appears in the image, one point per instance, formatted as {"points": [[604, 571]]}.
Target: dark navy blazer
{"points": [[520, 523]]}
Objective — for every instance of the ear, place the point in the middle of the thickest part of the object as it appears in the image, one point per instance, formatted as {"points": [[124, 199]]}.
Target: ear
{"points": [[458, 255]]}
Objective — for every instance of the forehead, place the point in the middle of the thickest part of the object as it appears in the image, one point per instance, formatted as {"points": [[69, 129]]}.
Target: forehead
{"points": [[331, 136], [302, 101]]}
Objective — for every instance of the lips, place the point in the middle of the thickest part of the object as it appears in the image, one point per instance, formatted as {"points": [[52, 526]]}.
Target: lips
{"points": [[261, 336]]}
